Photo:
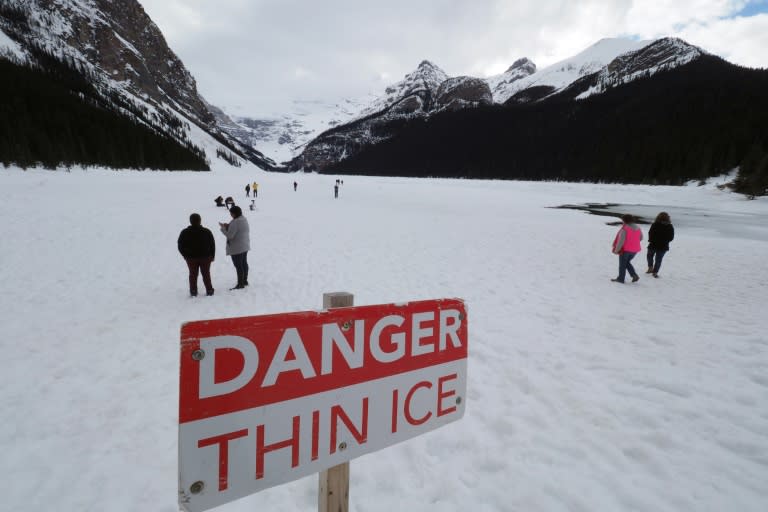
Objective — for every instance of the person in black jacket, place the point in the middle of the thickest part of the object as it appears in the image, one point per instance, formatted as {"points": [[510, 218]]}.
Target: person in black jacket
{"points": [[197, 246], [661, 233]]}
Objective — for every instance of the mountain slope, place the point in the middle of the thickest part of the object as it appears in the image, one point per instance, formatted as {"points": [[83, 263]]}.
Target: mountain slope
{"points": [[123, 53], [561, 74], [421, 93], [46, 124], [606, 64]]}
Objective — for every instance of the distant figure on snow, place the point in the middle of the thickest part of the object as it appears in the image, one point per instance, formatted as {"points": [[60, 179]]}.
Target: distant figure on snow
{"points": [[627, 244], [252, 206], [255, 189], [336, 190], [248, 190], [219, 201], [229, 202], [197, 246], [295, 185], [661, 233], [238, 244]]}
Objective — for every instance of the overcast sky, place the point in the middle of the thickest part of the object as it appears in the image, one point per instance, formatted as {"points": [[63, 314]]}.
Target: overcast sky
{"points": [[254, 56]]}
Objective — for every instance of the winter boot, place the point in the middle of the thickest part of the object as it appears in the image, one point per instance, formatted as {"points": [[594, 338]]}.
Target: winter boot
{"points": [[239, 285]]}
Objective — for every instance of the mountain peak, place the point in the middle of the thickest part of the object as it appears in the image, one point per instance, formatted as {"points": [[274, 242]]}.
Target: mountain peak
{"points": [[524, 64], [676, 44], [426, 65]]}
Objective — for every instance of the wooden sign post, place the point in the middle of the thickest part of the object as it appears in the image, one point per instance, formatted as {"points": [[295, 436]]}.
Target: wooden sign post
{"points": [[333, 488]]}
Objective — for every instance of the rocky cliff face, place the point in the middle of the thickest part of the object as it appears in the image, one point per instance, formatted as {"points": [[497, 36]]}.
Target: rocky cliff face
{"points": [[416, 91], [116, 38], [521, 68], [462, 92]]}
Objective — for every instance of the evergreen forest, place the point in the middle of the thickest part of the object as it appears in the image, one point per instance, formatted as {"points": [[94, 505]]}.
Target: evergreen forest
{"points": [[52, 116]]}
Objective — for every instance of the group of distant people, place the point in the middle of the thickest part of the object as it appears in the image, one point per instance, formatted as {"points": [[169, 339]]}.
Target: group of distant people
{"points": [[627, 243], [198, 247], [254, 188], [336, 188]]}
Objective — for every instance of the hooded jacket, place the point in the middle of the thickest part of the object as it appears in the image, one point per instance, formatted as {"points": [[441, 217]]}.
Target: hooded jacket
{"points": [[238, 237], [628, 239], [659, 236]]}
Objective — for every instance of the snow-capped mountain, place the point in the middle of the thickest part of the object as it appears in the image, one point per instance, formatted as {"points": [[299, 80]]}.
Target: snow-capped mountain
{"points": [[119, 48], [421, 85], [428, 90], [502, 85], [561, 74], [282, 135], [665, 53], [421, 93]]}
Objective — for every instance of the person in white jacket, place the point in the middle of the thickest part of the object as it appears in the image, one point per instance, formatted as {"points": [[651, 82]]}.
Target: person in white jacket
{"points": [[238, 244]]}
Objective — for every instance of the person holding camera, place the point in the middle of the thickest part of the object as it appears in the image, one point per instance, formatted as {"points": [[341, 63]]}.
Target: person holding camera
{"points": [[238, 244]]}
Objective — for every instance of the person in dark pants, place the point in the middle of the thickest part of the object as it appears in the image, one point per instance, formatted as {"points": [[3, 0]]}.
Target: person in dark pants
{"points": [[238, 244], [248, 190], [336, 190], [661, 233], [295, 185], [197, 246]]}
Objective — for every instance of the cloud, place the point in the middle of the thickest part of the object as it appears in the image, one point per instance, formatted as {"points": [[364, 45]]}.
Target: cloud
{"points": [[260, 54], [741, 40]]}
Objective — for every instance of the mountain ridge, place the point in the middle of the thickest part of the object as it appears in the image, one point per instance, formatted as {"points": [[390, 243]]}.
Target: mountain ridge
{"points": [[595, 69]]}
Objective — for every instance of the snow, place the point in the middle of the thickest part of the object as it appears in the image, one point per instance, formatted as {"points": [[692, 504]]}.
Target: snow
{"points": [[664, 53], [583, 394], [567, 71], [9, 47], [283, 134]]}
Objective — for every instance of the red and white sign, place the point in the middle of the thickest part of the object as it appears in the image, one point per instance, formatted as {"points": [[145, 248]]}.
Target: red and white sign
{"points": [[268, 399]]}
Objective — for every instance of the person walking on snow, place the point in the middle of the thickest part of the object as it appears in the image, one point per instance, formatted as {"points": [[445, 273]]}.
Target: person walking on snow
{"points": [[238, 244], [627, 244], [248, 190], [197, 246], [294, 186], [661, 233], [255, 189]]}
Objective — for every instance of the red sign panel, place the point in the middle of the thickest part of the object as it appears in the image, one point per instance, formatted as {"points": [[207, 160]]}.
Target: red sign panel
{"points": [[268, 399]]}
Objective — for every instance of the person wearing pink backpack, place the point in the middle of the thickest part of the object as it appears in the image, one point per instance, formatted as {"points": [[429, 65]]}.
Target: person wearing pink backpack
{"points": [[627, 244]]}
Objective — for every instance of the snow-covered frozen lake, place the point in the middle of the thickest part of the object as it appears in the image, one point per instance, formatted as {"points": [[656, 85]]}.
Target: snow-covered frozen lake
{"points": [[583, 395]]}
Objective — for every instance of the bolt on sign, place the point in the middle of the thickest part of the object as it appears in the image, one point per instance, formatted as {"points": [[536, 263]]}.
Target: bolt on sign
{"points": [[268, 399]]}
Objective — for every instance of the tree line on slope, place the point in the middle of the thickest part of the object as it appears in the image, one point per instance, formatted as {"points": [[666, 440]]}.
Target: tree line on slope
{"points": [[51, 115], [692, 122]]}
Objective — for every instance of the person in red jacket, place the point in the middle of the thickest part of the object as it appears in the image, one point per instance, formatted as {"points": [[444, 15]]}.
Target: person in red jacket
{"points": [[627, 244], [197, 246]]}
